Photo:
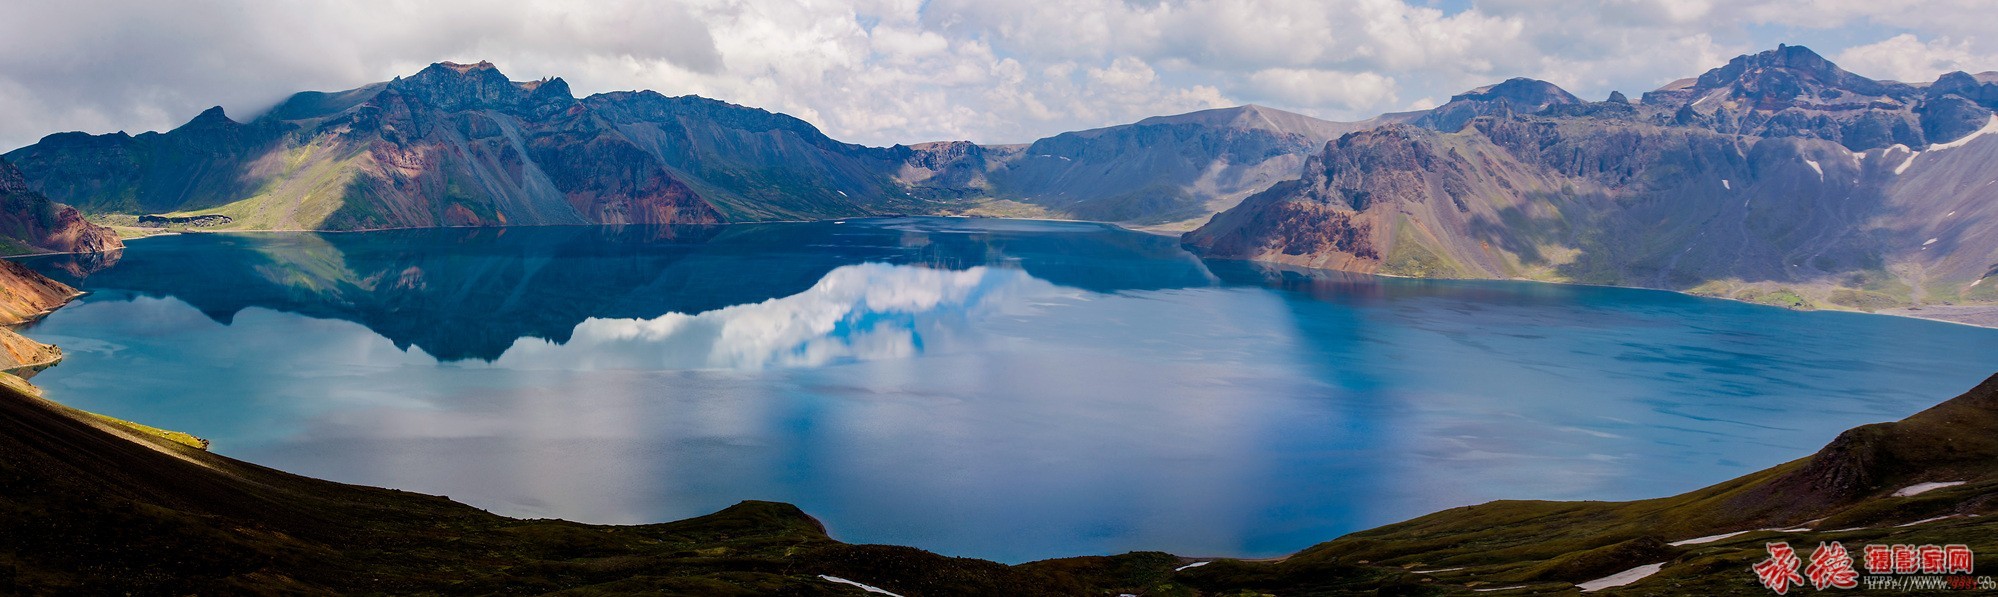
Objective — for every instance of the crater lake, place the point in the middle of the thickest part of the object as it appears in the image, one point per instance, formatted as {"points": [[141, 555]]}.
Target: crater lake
{"points": [[1003, 389]]}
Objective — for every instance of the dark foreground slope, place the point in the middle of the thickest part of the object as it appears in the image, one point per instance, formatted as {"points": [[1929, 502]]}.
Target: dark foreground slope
{"points": [[94, 506], [1845, 492]]}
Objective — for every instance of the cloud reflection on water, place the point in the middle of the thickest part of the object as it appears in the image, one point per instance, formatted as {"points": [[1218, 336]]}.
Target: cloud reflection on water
{"points": [[855, 313]]}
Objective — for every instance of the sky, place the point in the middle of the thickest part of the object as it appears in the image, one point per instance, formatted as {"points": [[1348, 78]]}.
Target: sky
{"points": [[881, 72]]}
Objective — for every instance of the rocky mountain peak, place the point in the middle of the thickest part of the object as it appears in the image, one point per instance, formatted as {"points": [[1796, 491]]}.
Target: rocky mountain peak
{"points": [[1773, 80], [462, 68], [1793, 59], [1255, 117], [1526, 95], [455, 86], [212, 118], [548, 88], [1952, 81], [11, 180], [1517, 95], [1965, 85]]}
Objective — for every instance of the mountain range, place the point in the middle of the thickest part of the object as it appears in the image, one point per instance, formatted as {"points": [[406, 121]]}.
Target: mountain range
{"points": [[1777, 177], [461, 145]]}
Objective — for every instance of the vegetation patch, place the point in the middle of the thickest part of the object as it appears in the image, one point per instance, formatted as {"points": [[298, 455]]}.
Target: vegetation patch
{"points": [[1863, 300], [1412, 256], [177, 437], [1781, 297]]}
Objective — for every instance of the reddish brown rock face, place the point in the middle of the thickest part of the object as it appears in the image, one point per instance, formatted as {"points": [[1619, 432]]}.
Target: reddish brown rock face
{"points": [[43, 226], [26, 295]]}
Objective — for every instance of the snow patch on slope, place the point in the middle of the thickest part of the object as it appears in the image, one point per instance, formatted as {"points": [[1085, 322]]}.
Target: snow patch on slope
{"points": [[1921, 488], [1621, 578], [1709, 538], [862, 587], [1990, 126]]}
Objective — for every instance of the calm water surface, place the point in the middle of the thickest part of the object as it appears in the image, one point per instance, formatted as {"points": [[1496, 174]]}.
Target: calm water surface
{"points": [[999, 389]]}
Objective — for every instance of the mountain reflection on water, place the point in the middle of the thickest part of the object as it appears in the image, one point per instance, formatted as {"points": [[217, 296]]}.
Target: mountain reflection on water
{"points": [[468, 293], [1004, 389]]}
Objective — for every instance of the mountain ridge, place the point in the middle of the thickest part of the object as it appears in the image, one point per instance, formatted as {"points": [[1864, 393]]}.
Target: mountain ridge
{"points": [[1742, 184], [460, 144]]}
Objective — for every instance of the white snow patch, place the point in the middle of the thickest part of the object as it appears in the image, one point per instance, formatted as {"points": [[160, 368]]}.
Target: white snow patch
{"points": [[867, 588], [1949, 214], [1725, 185], [1710, 538], [1926, 520], [1192, 565], [1990, 126], [842, 193], [1906, 163], [1713, 538], [1816, 168], [1929, 242], [1621, 578], [1921, 488]]}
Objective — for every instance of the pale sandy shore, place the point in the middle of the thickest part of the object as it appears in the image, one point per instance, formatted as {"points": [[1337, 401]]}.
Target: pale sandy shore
{"points": [[1977, 315]]}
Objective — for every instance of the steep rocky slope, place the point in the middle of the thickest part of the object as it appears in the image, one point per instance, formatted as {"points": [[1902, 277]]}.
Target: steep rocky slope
{"points": [[1158, 171], [31, 223], [1778, 178], [26, 296]]}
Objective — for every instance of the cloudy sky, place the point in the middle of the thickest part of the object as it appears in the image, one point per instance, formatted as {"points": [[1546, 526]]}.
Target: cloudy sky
{"points": [[888, 71]]}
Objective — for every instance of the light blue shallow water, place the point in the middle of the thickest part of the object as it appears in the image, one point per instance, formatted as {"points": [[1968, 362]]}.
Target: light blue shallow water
{"points": [[998, 389]]}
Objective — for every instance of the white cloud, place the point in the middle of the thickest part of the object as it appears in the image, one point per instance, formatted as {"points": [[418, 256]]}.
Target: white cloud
{"points": [[888, 71], [1907, 58], [1312, 87]]}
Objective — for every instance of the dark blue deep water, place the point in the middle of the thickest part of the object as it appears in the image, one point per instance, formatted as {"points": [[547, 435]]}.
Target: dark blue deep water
{"points": [[1000, 389]]}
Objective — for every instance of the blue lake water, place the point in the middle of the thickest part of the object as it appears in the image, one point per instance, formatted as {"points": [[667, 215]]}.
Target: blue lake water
{"points": [[1000, 389]]}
